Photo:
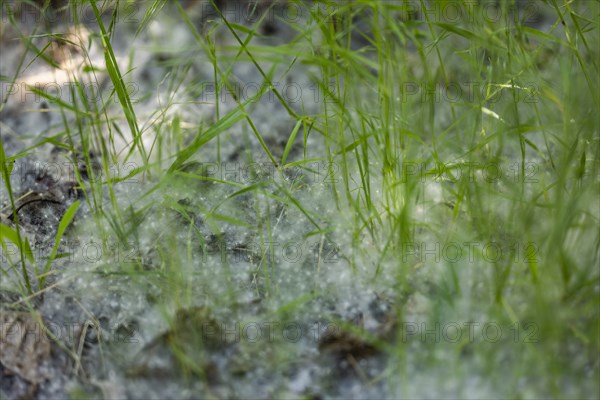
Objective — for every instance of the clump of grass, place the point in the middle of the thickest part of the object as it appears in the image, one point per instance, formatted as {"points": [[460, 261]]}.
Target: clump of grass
{"points": [[406, 171]]}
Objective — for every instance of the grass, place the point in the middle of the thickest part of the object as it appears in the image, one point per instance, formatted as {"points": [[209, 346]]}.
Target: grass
{"points": [[448, 165]]}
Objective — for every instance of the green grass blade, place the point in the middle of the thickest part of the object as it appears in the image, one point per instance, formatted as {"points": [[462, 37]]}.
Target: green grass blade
{"points": [[117, 79], [290, 142], [62, 227], [229, 120], [6, 232], [151, 12]]}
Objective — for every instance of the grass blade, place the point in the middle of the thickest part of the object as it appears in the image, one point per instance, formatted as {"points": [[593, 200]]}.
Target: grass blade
{"points": [[62, 227]]}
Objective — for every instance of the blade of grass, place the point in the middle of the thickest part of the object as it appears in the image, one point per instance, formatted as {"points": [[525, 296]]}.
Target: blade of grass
{"points": [[62, 226], [226, 122], [20, 244], [119, 86], [290, 142]]}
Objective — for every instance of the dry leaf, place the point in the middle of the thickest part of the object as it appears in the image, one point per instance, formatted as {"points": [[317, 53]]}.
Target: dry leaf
{"points": [[24, 345]]}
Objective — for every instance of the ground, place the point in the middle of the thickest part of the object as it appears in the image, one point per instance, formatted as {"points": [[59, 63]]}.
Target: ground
{"points": [[287, 199]]}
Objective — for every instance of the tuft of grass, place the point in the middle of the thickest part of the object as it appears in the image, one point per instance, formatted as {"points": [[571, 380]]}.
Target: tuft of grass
{"points": [[392, 169]]}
